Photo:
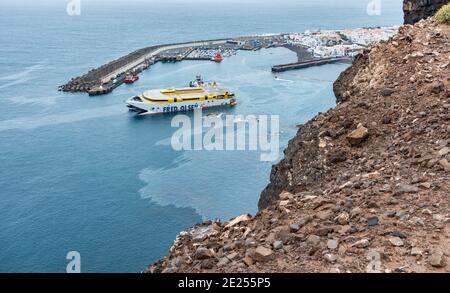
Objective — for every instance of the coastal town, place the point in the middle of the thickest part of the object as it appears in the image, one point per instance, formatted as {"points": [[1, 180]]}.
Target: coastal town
{"points": [[313, 48], [339, 43]]}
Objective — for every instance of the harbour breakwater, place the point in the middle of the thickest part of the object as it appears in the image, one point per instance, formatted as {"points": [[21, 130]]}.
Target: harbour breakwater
{"points": [[309, 63], [106, 78], [305, 59]]}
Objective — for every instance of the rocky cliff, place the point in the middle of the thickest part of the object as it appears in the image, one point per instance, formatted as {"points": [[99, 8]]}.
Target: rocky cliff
{"points": [[416, 10], [363, 187]]}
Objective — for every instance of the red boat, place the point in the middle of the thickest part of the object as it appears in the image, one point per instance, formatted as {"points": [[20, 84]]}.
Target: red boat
{"points": [[129, 79], [218, 58]]}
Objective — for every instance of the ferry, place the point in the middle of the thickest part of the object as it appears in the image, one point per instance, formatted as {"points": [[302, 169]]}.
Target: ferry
{"points": [[198, 95]]}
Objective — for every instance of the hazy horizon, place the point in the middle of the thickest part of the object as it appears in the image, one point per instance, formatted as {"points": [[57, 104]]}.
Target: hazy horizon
{"points": [[187, 2]]}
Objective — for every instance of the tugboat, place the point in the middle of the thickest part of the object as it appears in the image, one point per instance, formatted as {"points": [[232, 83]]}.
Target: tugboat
{"points": [[218, 58], [198, 95], [129, 79]]}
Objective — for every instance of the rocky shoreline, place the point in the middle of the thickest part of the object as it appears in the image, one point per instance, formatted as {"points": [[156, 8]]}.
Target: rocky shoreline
{"points": [[362, 188]]}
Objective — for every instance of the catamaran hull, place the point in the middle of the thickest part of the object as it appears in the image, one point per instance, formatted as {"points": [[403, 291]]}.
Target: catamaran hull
{"points": [[142, 108]]}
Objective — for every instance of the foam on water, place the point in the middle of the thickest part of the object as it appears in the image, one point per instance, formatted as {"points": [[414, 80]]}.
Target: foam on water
{"points": [[27, 123], [44, 101], [23, 74], [208, 182]]}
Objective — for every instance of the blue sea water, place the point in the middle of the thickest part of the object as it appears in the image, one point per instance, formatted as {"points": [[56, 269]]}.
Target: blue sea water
{"points": [[81, 173]]}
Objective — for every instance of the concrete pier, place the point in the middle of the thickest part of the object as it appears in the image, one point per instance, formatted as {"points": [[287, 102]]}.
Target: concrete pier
{"points": [[106, 78], [309, 63]]}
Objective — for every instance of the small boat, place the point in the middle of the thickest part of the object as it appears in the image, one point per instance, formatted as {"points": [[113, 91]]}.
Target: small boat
{"points": [[129, 79], [100, 90], [218, 58]]}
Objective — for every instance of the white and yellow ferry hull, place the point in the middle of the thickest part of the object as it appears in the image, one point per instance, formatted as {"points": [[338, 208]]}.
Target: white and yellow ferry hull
{"points": [[145, 108], [181, 99]]}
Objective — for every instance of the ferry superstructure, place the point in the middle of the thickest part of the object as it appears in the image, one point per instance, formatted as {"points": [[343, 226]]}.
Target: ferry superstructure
{"points": [[197, 95]]}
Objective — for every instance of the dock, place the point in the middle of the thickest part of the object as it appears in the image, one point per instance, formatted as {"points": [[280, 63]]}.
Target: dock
{"points": [[106, 78], [310, 63], [311, 48]]}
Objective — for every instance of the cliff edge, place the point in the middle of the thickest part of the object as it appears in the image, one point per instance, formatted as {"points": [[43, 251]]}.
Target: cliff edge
{"points": [[363, 187]]}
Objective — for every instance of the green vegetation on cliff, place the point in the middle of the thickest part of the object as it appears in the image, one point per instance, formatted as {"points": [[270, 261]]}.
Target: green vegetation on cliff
{"points": [[443, 14]]}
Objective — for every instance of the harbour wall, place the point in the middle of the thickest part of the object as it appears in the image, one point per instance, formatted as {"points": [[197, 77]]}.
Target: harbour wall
{"points": [[107, 77], [309, 63]]}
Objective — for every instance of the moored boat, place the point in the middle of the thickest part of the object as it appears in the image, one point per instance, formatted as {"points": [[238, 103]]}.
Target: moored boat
{"points": [[129, 79], [218, 57]]}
